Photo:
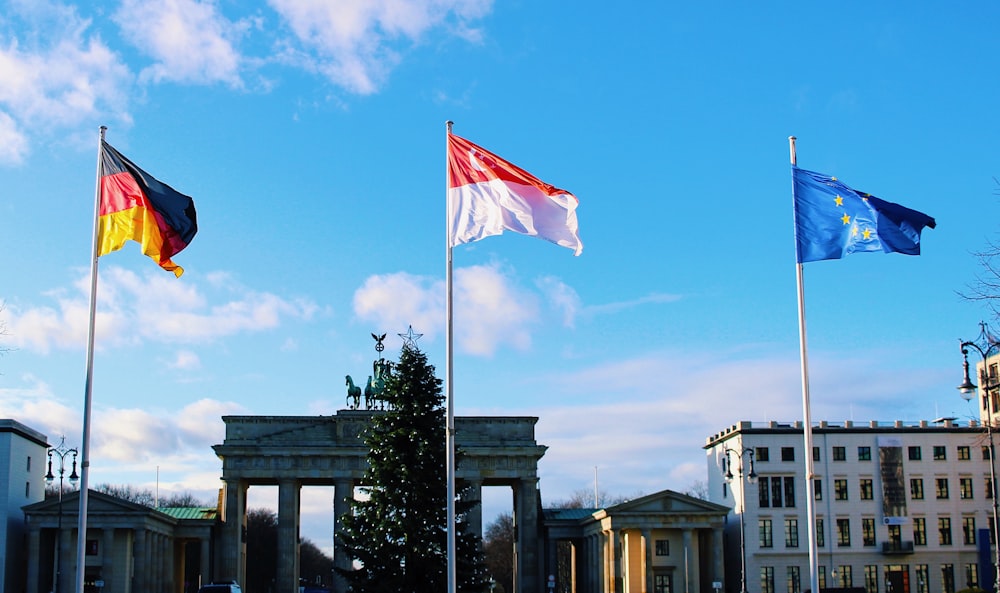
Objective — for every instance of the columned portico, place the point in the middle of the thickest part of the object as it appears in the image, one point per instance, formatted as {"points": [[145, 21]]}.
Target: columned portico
{"points": [[665, 540], [296, 451]]}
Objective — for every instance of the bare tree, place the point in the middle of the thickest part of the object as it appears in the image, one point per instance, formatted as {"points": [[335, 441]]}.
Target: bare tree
{"points": [[986, 287], [129, 493], [498, 547], [584, 499], [698, 489], [3, 330]]}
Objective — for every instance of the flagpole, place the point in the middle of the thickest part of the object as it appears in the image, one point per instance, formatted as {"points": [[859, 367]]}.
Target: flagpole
{"points": [[806, 412], [81, 533], [450, 389]]}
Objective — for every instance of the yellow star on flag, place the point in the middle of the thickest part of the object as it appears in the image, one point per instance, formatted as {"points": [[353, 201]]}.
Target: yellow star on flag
{"points": [[846, 218], [839, 201]]}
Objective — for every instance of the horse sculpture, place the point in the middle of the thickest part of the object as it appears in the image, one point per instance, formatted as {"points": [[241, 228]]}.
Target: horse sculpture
{"points": [[371, 395], [353, 394]]}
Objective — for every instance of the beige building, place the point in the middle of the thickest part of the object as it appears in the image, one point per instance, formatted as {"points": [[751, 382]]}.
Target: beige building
{"points": [[665, 542], [900, 508], [130, 548]]}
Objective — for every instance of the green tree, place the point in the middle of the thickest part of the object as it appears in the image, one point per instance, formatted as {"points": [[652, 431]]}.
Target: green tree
{"points": [[396, 537]]}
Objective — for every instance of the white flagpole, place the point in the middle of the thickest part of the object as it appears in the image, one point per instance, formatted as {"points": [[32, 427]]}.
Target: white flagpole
{"points": [[449, 390], [81, 537], [806, 413]]}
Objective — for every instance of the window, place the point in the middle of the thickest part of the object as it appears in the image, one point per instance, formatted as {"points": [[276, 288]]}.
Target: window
{"points": [[986, 452], [845, 577], [820, 534], [919, 531], [917, 488], [867, 488], [821, 573], [923, 578], [913, 453], [989, 488], [944, 531], [789, 492], [788, 453], [868, 531], [766, 579], [965, 488], [871, 578], [92, 547], [948, 578], [724, 490], [843, 532], [815, 453], [840, 454], [27, 489], [864, 453], [28, 468], [764, 527], [940, 453], [763, 493], [963, 453], [972, 574], [941, 488], [776, 492], [895, 536], [791, 533], [662, 547], [818, 489], [761, 454], [840, 489], [794, 579], [969, 531], [663, 583]]}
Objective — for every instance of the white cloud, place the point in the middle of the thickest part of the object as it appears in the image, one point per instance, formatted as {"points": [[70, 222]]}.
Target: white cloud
{"points": [[490, 310], [56, 75], [150, 307], [354, 38], [13, 142], [191, 41], [185, 360]]}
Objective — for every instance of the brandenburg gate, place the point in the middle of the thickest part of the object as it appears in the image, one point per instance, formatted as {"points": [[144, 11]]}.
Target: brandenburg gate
{"points": [[295, 451]]}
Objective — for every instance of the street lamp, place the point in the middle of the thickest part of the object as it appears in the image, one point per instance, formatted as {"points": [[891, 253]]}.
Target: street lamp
{"points": [[61, 452], [751, 477], [986, 346]]}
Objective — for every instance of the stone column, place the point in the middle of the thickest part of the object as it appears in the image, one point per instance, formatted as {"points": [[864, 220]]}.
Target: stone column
{"points": [[141, 576], [34, 554], [647, 560], [527, 559], [233, 537], [690, 576], [156, 559], [205, 561], [343, 493], [66, 572], [718, 566], [108, 574], [614, 539], [475, 516], [288, 537]]}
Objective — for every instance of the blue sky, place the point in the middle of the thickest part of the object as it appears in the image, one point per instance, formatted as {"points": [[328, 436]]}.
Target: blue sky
{"points": [[311, 135]]}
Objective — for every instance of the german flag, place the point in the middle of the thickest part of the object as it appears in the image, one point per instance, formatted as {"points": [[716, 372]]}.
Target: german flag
{"points": [[135, 205]]}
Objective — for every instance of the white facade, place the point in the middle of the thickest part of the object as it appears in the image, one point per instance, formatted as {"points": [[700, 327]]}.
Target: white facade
{"points": [[22, 482], [898, 506]]}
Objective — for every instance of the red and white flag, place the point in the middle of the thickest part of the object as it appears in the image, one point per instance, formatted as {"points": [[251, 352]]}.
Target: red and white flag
{"points": [[488, 195]]}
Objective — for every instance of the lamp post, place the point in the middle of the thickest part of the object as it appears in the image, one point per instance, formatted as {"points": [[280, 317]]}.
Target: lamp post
{"points": [[986, 346], [751, 477], [61, 452]]}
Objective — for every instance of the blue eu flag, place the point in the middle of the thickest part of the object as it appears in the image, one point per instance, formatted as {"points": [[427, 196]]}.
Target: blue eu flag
{"points": [[833, 220]]}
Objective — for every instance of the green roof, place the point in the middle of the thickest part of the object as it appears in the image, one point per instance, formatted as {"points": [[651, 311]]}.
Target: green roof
{"points": [[204, 513], [568, 514]]}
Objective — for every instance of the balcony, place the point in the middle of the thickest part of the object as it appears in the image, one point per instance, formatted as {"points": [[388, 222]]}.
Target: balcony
{"points": [[894, 548]]}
